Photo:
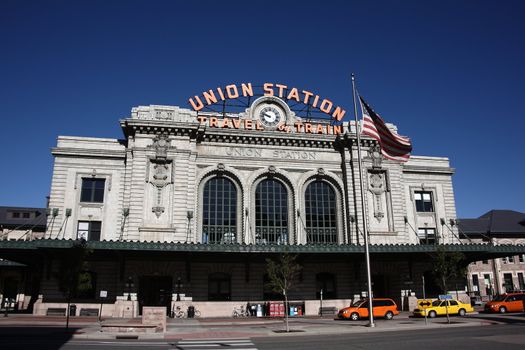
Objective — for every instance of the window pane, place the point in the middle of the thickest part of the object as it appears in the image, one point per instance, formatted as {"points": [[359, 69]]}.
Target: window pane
{"points": [[423, 201], [321, 208], [92, 190], [271, 212], [219, 211]]}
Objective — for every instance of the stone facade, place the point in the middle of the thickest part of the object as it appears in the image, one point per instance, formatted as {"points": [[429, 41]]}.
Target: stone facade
{"points": [[150, 187], [154, 179]]}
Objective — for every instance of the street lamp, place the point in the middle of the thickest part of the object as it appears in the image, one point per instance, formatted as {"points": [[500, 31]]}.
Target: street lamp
{"points": [[179, 285], [129, 286]]}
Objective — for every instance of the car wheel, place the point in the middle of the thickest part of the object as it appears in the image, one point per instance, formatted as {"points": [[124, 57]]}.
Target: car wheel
{"points": [[389, 315], [432, 314], [354, 316], [462, 312], [502, 309]]}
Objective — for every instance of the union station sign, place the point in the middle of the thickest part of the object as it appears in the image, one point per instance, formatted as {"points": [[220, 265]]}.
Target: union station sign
{"points": [[270, 110]]}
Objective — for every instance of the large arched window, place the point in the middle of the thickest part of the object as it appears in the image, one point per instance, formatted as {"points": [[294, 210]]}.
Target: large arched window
{"points": [[271, 212], [219, 211], [321, 225]]}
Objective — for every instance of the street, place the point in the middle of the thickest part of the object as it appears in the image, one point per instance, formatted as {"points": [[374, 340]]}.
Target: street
{"points": [[472, 337]]}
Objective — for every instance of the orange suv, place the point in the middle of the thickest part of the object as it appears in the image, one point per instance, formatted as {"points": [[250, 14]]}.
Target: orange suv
{"points": [[382, 307], [510, 302]]}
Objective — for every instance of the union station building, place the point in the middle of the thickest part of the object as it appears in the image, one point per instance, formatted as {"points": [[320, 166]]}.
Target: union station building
{"points": [[188, 205]]}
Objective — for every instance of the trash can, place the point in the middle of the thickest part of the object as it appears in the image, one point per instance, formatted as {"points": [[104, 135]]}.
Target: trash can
{"points": [[72, 310], [191, 311]]}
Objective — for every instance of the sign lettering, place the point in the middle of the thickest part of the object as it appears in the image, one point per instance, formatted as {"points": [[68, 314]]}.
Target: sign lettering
{"points": [[233, 91]]}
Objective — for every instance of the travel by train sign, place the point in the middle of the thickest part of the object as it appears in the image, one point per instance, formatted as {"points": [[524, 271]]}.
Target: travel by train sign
{"points": [[233, 92]]}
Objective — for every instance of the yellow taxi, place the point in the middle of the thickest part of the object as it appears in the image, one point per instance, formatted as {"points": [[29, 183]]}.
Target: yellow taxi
{"points": [[439, 308]]}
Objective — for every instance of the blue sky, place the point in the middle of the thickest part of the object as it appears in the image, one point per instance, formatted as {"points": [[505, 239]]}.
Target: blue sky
{"points": [[449, 73]]}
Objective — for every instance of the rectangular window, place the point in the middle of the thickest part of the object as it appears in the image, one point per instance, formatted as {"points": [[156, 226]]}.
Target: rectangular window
{"points": [[426, 235], [511, 259], [475, 283], [89, 230], [521, 281], [15, 215], [522, 258], [423, 201], [488, 284], [92, 190], [507, 282]]}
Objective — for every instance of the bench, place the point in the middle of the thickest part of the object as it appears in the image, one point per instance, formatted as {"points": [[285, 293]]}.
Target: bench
{"points": [[56, 311], [88, 312], [327, 310]]}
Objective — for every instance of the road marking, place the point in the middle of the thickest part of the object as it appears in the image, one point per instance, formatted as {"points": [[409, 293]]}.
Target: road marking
{"points": [[215, 340], [233, 344]]}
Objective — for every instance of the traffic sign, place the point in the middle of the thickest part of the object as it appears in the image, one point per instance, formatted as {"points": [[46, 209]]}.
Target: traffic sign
{"points": [[424, 303], [445, 297]]}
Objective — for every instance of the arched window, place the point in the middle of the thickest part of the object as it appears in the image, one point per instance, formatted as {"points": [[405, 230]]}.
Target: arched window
{"points": [[271, 212], [219, 212], [326, 282], [219, 287], [321, 225]]}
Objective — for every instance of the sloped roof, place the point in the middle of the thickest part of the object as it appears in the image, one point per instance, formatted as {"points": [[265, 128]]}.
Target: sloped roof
{"points": [[495, 222], [37, 223]]}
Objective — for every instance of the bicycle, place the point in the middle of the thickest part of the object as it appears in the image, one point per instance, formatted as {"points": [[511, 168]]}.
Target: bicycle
{"points": [[241, 312], [178, 312]]}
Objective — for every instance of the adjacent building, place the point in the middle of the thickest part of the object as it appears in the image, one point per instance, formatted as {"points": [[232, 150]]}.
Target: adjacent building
{"points": [[490, 276]]}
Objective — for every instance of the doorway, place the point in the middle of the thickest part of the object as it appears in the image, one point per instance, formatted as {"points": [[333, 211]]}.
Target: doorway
{"points": [[155, 291]]}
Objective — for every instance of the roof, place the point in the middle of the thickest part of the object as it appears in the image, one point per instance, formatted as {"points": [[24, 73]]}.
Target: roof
{"points": [[37, 220], [495, 222], [253, 248]]}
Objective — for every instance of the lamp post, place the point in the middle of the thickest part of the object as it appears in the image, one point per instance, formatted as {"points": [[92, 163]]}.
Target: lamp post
{"points": [[129, 286], [179, 285]]}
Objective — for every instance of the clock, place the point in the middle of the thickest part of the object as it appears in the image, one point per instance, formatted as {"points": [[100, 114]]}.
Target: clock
{"points": [[270, 116]]}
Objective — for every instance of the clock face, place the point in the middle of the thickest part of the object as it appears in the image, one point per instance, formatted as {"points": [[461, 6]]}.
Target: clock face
{"points": [[270, 116]]}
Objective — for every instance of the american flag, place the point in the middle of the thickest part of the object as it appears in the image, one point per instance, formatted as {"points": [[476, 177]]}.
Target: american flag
{"points": [[393, 146]]}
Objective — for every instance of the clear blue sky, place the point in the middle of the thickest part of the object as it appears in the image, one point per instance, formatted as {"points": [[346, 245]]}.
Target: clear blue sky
{"points": [[450, 74]]}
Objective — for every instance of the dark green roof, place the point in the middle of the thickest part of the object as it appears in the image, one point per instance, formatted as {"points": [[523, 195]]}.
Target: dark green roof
{"points": [[258, 248]]}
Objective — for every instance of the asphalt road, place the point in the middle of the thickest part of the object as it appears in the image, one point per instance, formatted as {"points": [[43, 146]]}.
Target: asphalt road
{"points": [[482, 337]]}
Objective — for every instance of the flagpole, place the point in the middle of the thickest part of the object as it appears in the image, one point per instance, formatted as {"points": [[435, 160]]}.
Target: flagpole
{"points": [[363, 209]]}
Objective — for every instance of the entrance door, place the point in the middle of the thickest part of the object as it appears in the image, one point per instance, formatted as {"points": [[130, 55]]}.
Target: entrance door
{"points": [[155, 291]]}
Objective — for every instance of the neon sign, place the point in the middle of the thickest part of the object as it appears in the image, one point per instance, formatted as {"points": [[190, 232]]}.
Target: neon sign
{"points": [[234, 91]]}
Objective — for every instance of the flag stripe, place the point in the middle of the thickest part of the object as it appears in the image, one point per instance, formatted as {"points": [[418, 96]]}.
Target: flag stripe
{"points": [[393, 146]]}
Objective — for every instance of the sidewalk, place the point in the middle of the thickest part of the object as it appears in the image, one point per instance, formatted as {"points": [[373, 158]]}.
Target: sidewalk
{"points": [[213, 328]]}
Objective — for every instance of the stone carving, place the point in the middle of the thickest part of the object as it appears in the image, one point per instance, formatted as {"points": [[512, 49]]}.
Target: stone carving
{"points": [[320, 172], [161, 143], [375, 154], [163, 114], [271, 169], [220, 167], [377, 189], [158, 211], [161, 171]]}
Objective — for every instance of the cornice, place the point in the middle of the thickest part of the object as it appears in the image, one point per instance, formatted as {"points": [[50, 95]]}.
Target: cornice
{"points": [[90, 153]]}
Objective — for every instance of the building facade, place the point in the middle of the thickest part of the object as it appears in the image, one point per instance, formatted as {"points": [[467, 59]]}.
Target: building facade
{"points": [[22, 224], [179, 176], [188, 205], [490, 276]]}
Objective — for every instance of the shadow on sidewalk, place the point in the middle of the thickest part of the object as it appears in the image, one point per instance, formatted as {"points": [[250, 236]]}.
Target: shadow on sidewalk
{"points": [[35, 337]]}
